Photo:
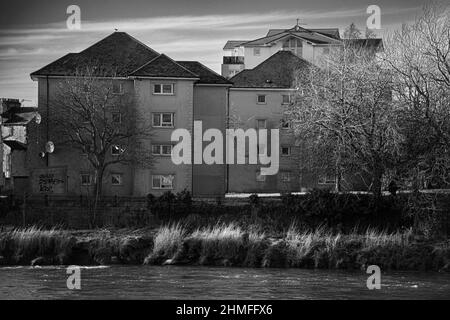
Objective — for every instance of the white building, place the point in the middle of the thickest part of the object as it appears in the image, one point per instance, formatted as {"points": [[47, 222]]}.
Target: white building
{"points": [[308, 44]]}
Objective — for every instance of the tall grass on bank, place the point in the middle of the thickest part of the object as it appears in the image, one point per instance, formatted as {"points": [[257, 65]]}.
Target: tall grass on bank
{"points": [[374, 238], [302, 244], [168, 239], [230, 244], [227, 243], [29, 243]]}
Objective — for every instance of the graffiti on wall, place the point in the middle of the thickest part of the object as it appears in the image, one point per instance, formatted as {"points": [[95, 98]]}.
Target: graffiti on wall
{"points": [[49, 180]]}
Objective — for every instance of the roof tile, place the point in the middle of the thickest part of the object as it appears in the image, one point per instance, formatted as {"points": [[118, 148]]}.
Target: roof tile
{"points": [[116, 55], [275, 72], [163, 66], [206, 75]]}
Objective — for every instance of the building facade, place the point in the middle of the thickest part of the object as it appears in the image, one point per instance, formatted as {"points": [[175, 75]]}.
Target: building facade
{"points": [[168, 95]]}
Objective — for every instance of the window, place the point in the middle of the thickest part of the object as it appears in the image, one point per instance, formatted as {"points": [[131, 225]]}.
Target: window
{"points": [[286, 99], [160, 88], [116, 117], [116, 150], [260, 177], [327, 179], [285, 176], [163, 120], [261, 99], [117, 87], [116, 179], [261, 124], [162, 149], [256, 51], [285, 151], [86, 179], [162, 181]]}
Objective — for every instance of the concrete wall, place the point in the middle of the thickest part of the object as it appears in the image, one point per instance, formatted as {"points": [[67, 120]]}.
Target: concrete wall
{"points": [[230, 70], [75, 162], [310, 52], [181, 104], [252, 61], [244, 108], [210, 107]]}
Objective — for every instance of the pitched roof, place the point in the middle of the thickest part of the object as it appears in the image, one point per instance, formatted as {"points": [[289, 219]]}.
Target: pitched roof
{"points": [[206, 75], [163, 66], [312, 36], [275, 72], [330, 32], [231, 44], [116, 55], [122, 55]]}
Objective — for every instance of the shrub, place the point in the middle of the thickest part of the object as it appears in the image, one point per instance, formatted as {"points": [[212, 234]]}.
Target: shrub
{"points": [[184, 198], [253, 199]]}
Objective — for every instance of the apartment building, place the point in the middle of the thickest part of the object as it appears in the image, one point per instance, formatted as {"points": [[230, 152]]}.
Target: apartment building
{"points": [[169, 94], [262, 72]]}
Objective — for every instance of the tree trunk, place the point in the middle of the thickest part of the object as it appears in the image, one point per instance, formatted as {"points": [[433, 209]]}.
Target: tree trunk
{"points": [[98, 192], [377, 175]]}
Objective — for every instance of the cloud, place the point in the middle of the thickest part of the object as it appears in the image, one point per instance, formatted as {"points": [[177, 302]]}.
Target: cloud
{"points": [[187, 37]]}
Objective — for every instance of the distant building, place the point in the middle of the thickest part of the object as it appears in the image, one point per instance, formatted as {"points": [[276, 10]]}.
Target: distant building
{"points": [[15, 120], [308, 44]]}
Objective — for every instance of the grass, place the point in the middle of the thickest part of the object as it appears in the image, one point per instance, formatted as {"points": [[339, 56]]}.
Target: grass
{"points": [[25, 244], [228, 244], [168, 239], [373, 238], [232, 244]]}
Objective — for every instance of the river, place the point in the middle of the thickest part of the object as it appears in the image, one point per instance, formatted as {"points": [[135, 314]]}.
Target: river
{"points": [[144, 282]]}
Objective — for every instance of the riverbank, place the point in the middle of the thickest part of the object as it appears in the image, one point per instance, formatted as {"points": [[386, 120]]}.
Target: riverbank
{"points": [[225, 245]]}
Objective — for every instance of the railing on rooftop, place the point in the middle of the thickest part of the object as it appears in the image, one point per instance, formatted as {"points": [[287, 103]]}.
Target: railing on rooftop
{"points": [[233, 60]]}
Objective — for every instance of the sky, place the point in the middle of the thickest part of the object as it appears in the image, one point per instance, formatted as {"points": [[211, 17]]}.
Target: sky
{"points": [[34, 33]]}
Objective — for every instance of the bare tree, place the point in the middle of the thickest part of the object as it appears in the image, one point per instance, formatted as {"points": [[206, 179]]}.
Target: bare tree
{"points": [[92, 114], [345, 115], [352, 32], [419, 55], [370, 34]]}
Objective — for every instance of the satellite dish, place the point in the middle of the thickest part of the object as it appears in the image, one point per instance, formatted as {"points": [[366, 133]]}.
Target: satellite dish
{"points": [[49, 147], [42, 154], [38, 118]]}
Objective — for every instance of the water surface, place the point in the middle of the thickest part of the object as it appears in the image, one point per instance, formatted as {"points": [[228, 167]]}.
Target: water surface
{"points": [[144, 282]]}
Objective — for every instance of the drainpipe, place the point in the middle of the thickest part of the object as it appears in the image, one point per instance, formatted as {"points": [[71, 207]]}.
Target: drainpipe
{"points": [[227, 169], [192, 140], [47, 122]]}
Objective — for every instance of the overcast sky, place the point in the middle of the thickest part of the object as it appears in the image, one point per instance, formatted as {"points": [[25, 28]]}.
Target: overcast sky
{"points": [[34, 33]]}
